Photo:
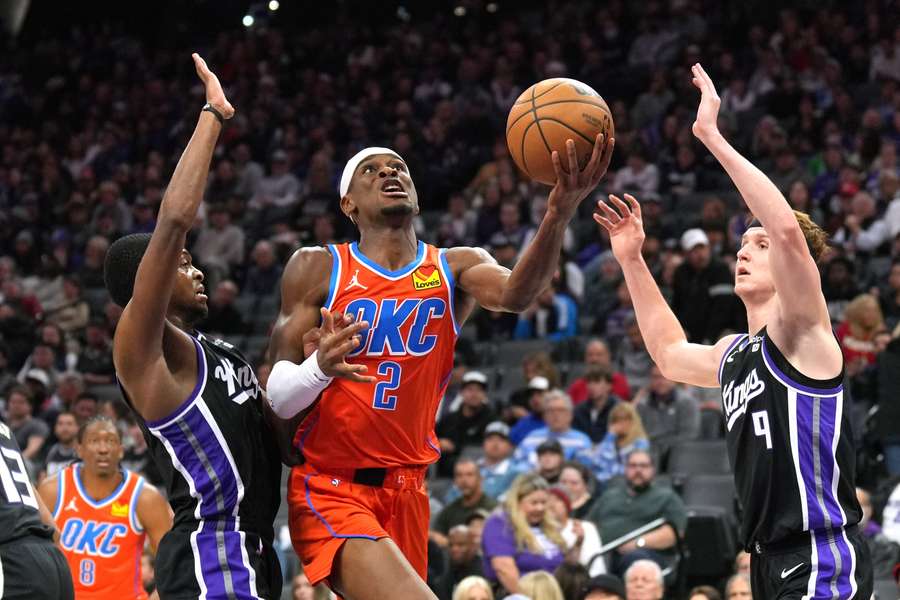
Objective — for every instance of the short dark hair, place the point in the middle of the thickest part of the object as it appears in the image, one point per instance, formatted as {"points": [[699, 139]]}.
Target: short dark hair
{"points": [[93, 421], [121, 265], [85, 396], [598, 373]]}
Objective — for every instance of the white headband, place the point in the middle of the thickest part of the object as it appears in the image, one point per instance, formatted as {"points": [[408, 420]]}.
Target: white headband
{"points": [[360, 156]]}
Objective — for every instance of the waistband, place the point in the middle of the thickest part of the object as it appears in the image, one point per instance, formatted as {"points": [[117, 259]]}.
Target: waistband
{"points": [[796, 542], [403, 477]]}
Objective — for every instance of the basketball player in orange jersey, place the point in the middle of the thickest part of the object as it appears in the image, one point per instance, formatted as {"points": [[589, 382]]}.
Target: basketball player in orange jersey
{"points": [[104, 514], [358, 507]]}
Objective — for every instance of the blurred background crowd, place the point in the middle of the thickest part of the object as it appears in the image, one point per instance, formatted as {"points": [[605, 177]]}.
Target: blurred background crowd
{"points": [[94, 114]]}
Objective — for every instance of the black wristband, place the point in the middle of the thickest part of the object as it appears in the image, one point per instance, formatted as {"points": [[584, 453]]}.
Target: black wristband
{"points": [[210, 108]]}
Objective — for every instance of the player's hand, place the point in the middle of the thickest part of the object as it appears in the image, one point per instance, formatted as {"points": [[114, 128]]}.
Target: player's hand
{"points": [[215, 95], [626, 230], [334, 345], [312, 337], [707, 122], [575, 185]]}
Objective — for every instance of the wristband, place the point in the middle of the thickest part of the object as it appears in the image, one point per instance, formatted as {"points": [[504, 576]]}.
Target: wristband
{"points": [[212, 109], [292, 388]]}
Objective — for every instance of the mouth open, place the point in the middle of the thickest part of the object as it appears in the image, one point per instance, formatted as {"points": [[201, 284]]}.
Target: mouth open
{"points": [[392, 188], [199, 293]]}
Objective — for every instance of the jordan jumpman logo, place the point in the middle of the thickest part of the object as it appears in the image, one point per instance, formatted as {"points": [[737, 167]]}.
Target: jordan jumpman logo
{"points": [[354, 282]]}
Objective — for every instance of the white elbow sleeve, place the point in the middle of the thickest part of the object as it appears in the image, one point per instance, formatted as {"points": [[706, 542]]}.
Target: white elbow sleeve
{"points": [[292, 387]]}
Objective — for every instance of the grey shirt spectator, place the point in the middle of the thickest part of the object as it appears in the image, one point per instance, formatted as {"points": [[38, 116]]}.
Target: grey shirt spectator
{"points": [[668, 412]]}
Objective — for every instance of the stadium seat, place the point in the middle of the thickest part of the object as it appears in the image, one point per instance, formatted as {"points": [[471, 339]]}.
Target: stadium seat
{"points": [[439, 486], [710, 544], [511, 353], [698, 457], [473, 452], [886, 589], [711, 425], [710, 490]]}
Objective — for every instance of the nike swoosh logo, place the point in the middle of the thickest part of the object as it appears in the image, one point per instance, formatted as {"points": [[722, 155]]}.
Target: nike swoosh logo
{"points": [[786, 572]]}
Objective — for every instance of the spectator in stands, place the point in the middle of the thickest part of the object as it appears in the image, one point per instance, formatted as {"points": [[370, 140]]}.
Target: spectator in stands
{"points": [[7, 376], [572, 580], [888, 390], [633, 358], [29, 432], [464, 561], [596, 353], [862, 322], [576, 531], [85, 407], [540, 585], [889, 296], [264, 274], [644, 581], [704, 592], [63, 451], [553, 316], [839, 286], [529, 417], [73, 314], [95, 361], [521, 537], [550, 461], [603, 587], [592, 416], [558, 415], [703, 297], [475, 523], [224, 317], [496, 464], [626, 434], [465, 426], [883, 552], [280, 189], [638, 176], [669, 414], [742, 562], [301, 588], [91, 272], [38, 383], [467, 479], [623, 509], [219, 246], [473, 588], [42, 360], [576, 478], [738, 588]]}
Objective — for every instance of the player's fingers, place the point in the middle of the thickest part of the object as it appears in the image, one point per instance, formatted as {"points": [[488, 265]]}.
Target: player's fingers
{"points": [[573, 160], [354, 372], [635, 206], [609, 213], [200, 66], [339, 351], [327, 320], [603, 221], [706, 78], [623, 208], [596, 155], [603, 162], [350, 331], [557, 166]]}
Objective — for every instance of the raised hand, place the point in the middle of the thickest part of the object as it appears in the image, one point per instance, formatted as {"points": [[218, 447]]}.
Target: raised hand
{"points": [[626, 230], [707, 122], [334, 345], [215, 95], [574, 186]]}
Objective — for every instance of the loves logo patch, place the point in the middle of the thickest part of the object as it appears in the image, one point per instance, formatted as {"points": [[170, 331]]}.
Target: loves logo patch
{"points": [[119, 510], [425, 278]]}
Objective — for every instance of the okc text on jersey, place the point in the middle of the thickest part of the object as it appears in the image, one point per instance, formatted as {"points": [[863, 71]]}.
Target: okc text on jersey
{"points": [[388, 317]]}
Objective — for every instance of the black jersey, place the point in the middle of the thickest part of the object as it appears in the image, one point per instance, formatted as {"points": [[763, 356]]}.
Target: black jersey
{"points": [[789, 443], [19, 514], [222, 472]]}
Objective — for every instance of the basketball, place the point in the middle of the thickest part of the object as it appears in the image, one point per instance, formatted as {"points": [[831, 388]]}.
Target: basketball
{"points": [[545, 116]]}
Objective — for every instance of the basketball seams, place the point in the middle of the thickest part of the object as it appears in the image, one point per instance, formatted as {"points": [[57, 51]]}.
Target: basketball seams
{"points": [[533, 97], [604, 107], [567, 126], [522, 150], [537, 121]]}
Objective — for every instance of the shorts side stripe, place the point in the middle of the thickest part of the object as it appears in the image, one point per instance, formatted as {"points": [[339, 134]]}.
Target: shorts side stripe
{"points": [[319, 516]]}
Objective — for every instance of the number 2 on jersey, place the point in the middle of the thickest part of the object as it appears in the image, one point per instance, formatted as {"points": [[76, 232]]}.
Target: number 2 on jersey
{"points": [[383, 400]]}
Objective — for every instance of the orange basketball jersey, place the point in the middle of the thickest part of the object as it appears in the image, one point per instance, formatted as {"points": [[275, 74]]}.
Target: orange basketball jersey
{"points": [[102, 539], [408, 347]]}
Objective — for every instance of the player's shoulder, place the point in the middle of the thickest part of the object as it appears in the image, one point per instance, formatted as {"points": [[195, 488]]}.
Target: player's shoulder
{"points": [[462, 257], [307, 266]]}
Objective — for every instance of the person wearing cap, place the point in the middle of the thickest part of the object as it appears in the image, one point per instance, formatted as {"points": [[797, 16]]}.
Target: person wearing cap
{"points": [[465, 426], [466, 479], [496, 463], [603, 587], [30, 433], [380, 384], [703, 291], [558, 415], [533, 417]]}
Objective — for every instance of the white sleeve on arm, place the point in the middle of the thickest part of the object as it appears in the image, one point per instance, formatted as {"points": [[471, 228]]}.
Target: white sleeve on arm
{"points": [[292, 388]]}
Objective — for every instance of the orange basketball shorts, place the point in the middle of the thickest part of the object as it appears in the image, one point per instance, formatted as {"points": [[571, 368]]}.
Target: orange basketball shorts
{"points": [[325, 509]]}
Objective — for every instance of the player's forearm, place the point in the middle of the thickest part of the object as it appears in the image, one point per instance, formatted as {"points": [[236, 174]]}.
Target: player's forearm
{"points": [[185, 192], [535, 269], [659, 326], [763, 198]]}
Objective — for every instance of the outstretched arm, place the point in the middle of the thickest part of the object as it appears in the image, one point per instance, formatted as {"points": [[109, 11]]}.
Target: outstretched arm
{"points": [[794, 270], [666, 342], [497, 288], [138, 351]]}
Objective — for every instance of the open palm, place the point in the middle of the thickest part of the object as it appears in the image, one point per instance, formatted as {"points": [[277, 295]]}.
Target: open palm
{"points": [[624, 224]]}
